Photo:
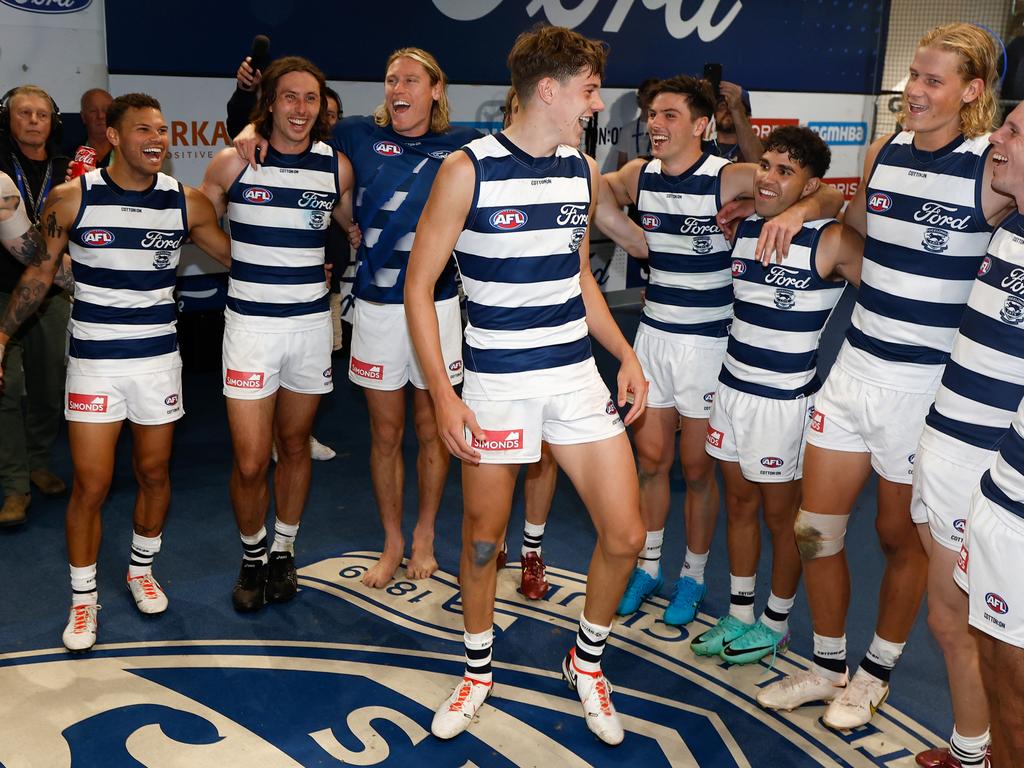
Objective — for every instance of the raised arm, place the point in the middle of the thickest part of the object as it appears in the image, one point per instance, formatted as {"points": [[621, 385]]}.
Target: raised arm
{"points": [[204, 226], [220, 175], [436, 234], [58, 215], [632, 385], [749, 142], [248, 144], [617, 225]]}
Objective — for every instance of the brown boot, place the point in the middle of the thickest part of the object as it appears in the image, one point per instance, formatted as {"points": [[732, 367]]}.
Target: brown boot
{"points": [[13, 510], [47, 482]]}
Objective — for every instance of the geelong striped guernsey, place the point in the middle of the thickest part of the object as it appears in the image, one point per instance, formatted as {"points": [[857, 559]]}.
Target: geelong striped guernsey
{"points": [[1003, 484], [124, 247], [983, 382], [690, 289], [780, 311], [394, 174], [926, 236], [279, 216], [526, 334]]}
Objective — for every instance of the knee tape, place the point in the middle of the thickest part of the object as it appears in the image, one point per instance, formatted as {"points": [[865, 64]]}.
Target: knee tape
{"points": [[819, 535]]}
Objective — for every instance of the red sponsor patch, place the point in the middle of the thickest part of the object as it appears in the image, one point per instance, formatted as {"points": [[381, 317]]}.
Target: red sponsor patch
{"points": [[373, 371], [87, 403], [764, 125], [818, 421], [243, 379], [715, 437], [961, 562], [500, 440], [846, 184]]}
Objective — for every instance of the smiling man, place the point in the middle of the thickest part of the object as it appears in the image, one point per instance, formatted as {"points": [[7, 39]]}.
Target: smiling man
{"points": [[124, 227]]}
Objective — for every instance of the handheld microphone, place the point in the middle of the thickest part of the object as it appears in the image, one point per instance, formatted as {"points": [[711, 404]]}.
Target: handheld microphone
{"points": [[259, 56]]}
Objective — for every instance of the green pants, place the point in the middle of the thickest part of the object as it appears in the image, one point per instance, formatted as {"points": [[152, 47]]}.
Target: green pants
{"points": [[32, 402]]}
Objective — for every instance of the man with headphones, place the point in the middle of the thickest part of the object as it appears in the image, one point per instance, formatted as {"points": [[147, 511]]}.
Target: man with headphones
{"points": [[29, 154]]}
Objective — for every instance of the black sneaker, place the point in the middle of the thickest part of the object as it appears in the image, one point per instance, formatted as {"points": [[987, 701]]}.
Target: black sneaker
{"points": [[248, 592], [282, 582]]}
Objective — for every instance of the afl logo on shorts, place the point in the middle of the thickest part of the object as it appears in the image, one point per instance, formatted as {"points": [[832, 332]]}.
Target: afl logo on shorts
{"points": [[171, 400], [610, 408], [986, 265], [738, 268], [257, 195], [328, 373], [960, 524], [387, 149], [649, 221], [772, 462], [879, 202], [709, 397], [996, 603], [1012, 311], [508, 219], [97, 237], [455, 367]]}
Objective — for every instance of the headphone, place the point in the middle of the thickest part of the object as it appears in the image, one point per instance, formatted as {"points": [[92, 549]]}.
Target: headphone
{"points": [[56, 126]]}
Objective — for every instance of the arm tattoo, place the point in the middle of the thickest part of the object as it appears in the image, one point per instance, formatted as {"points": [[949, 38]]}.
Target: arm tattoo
{"points": [[29, 249], [65, 277], [53, 229], [25, 300]]}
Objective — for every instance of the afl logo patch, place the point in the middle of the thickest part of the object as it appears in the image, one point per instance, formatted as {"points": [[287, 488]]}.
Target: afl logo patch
{"points": [[709, 397], [986, 265], [171, 400], [772, 462], [508, 219], [738, 268], [257, 195], [610, 408], [996, 603], [960, 524], [387, 149], [97, 237], [649, 221], [879, 202]]}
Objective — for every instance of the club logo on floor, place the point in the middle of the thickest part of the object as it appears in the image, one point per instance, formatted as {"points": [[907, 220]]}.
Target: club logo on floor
{"points": [[320, 702]]}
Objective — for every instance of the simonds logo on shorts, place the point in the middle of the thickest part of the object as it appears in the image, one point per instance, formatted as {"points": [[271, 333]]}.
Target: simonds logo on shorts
{"points": [[500, 440], [715, 437], [818, 421], [367, 370], [243, 379], [87, 403]]}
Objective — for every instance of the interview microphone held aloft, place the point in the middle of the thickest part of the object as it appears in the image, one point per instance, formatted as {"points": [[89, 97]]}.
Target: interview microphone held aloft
{"points": [[259, 56]]}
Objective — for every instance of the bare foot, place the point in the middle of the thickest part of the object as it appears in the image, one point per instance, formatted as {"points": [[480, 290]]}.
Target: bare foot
{"points": [[381, 574], [421, 563]]}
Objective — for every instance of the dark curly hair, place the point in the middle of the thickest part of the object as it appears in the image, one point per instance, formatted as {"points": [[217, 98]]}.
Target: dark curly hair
{"points": [[698, 93], [802, 145], [122, 104]]}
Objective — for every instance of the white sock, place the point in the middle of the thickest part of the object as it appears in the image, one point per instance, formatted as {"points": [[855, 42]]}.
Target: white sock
{"points": [[284, 537], [650, 555], [693, 565], [144, 549], [255, 547], [829, 656], [776, 614], [478, 654], [969, 750], [590, 642], [83, 585], [741, 597], [533, 538]]}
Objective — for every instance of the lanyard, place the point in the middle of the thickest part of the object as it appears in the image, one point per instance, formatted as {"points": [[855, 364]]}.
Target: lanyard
{"points": [[34, 208]]}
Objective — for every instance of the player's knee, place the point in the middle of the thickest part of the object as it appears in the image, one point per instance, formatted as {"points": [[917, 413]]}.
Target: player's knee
{"points": [[251, 468], [780, 522], [898, 536], [742, 507], [699, 473], [483, 552], [949, 632], [624, 540], [819, 535], [152, 474], [386, 437]]}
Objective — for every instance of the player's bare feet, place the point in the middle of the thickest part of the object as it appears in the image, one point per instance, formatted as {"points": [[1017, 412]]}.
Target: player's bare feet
{"points": [[421, 563], [381, 574]]}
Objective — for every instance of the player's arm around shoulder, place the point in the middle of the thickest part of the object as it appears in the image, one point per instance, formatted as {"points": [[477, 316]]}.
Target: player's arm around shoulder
{"points": [[346, 184], [617, 225], [624, 183], [204, 226], [840, 254], [221, 173], [632, 384], [440, 225]]}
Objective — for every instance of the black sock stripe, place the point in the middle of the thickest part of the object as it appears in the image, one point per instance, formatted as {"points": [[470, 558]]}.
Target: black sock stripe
{"points": [[82, 591], [478, 653], [775, 615], [741, 599], [832, 665], [873, 667], [584, 655], [582, 636]]}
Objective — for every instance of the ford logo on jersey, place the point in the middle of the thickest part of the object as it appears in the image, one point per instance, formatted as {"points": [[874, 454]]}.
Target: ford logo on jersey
{"points": [[650, 221], [508, 218], [879, 202], [257, 195], [97, 237], [387, 148], [996, 603]]}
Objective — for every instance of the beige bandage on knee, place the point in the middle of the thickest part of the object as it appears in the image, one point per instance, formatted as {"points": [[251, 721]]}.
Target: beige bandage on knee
{"points": [[819, 535]]}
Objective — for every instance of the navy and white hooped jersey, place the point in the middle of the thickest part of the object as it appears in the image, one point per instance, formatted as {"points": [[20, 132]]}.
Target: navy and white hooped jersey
{"points": [[393, 174], [279, 216], [124, 249], [926, 236], [1003, 484], [690, 289], [780, 311], [526, 334], [983, 382]]}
